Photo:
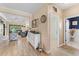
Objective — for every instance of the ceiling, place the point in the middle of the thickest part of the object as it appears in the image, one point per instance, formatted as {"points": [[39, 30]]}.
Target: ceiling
{"points": [[27, 7], [65, 5], [32, 7]]}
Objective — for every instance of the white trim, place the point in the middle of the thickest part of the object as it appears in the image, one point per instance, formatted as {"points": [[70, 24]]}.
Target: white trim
{"points": [[48, 52], [71, 16], [58, 30], [61, 44], [64, 32]]}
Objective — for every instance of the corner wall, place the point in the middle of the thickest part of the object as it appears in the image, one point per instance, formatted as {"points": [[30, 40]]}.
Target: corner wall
{"points": [[43, 28]]}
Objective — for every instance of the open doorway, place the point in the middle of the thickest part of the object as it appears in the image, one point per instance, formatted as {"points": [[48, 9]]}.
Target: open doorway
{"points": [[13, 31], [72, 32]]}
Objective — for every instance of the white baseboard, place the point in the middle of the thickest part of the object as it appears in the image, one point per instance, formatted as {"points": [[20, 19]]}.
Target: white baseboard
{"points": [[61, 44], [48, 52]]}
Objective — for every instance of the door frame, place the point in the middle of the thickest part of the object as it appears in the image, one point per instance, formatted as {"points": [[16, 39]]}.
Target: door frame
{"points": [[65, 25]]}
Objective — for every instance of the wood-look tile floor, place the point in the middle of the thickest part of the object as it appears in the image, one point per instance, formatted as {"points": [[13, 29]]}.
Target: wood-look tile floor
{"points": [[65, 51], [18, 48], [23, 48]]}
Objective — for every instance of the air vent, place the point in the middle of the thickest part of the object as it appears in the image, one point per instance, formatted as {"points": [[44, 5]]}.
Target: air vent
{"points": [[55, 9]]}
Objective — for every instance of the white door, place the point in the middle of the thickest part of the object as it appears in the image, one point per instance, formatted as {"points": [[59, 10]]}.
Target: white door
{"points": [[67, 34], [54, 30]]}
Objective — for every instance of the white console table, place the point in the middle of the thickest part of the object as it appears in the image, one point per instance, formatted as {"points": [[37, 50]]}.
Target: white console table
{"points": [[33, 39]]}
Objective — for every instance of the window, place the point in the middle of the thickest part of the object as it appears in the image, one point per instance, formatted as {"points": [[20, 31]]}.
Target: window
{"points": [[1, 29]]}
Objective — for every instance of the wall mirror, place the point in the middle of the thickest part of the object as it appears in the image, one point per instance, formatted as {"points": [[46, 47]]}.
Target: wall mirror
{"points": [[74, 22]]}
